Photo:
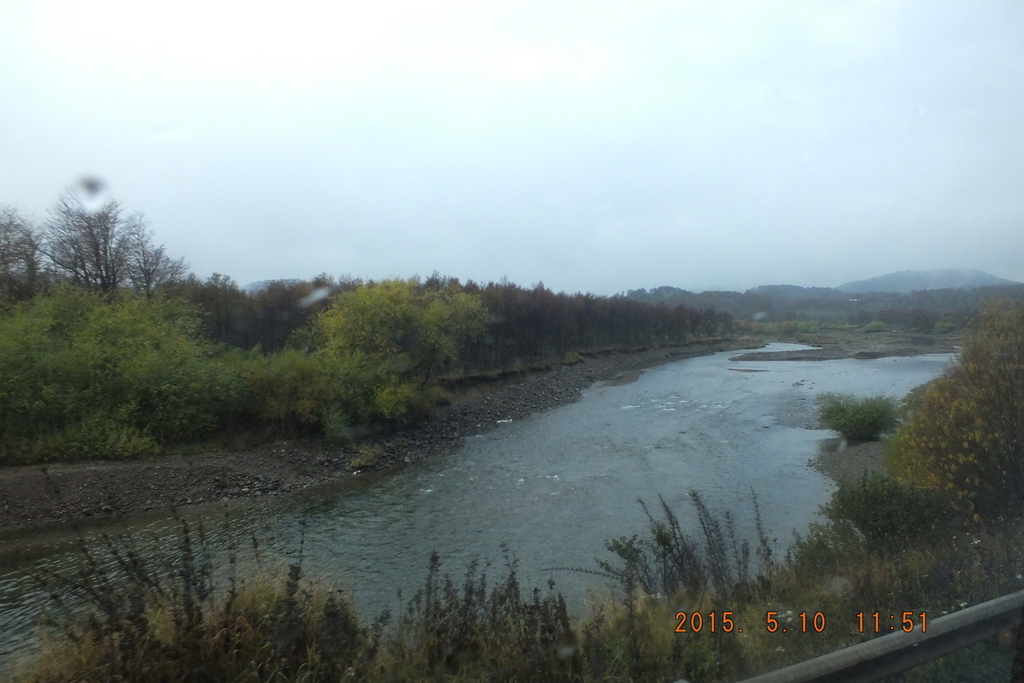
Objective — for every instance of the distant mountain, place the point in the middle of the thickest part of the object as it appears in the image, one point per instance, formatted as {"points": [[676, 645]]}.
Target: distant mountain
{"points": [[963, 292], [907, 281]]}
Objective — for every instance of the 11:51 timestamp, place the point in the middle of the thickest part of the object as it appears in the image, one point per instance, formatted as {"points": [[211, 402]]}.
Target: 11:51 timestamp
{"points": [[907, 622]]}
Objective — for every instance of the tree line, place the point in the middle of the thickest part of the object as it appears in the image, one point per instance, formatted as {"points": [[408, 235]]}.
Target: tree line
{"points": [[524, 326], [109, 348], [106, 250]]}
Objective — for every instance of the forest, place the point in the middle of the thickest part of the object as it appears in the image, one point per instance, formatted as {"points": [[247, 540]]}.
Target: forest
{"points": [[109, 347]]}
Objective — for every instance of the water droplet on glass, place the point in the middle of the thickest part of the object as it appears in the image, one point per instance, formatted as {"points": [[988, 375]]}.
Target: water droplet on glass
{"points": [[318, 294], [92, 192]]}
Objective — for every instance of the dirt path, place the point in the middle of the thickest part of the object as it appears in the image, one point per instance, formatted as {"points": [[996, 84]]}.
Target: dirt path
{"points": [[35, 497]]}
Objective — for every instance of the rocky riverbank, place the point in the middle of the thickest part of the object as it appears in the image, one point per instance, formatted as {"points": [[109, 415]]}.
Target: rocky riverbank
{"points": [[35, 497]]}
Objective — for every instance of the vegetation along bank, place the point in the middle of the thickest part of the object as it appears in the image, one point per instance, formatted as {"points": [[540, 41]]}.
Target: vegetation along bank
{"points": [[921, 540]]}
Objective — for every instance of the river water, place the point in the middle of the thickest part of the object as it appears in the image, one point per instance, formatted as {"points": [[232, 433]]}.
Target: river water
{"points": [[553, 487]]}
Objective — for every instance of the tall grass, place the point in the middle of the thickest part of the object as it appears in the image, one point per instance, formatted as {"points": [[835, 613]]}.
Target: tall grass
{"points": [[669, 562], [164, 617], [175, 616]]}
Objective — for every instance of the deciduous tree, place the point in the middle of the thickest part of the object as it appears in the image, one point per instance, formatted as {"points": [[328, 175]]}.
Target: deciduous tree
{"points": [[391, 336], [148, 265], [88, 247], [19, 256], [103, 250]]}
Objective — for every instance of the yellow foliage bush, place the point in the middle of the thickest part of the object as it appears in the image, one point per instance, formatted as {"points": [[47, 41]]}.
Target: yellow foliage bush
{"points": [[966, 436]]}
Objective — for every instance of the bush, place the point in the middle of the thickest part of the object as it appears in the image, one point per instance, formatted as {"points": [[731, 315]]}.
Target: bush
{"points": [[367, 456], [670, 562], [874, 326], [290, 393], [337, 429], [888, 513], [88, 378], [966, 437], [860, 419]]}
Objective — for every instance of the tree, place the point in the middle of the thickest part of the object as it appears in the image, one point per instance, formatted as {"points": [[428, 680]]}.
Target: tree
{"points": [[966, 437], [102, 250], [89, 247], [391, 336], [19, 257], [148, 265]]}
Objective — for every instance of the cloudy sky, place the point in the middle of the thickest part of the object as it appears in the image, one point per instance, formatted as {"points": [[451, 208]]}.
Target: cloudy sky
{"points": [[594, 146]]}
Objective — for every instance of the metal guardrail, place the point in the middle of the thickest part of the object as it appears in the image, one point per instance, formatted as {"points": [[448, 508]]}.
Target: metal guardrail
{"points": [[896, 652]]}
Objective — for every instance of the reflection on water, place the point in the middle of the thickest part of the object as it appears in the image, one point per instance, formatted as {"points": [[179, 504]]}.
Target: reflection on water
{"points": [[553, 487]]}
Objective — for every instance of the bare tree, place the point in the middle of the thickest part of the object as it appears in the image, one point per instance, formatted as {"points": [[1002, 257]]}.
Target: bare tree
{"points": [[19, 256], [89, 247], [148, 265], [103, 250]]}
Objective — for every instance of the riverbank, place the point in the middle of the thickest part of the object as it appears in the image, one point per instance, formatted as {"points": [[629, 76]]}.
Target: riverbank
{"points": [[839, 460], [35, 497]]}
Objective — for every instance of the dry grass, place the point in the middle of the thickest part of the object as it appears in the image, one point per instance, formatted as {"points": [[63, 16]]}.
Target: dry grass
{"points": [[175, 618]]}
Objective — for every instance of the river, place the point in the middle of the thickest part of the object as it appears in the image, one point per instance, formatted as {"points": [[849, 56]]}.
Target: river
{"points": [[553, 487]]}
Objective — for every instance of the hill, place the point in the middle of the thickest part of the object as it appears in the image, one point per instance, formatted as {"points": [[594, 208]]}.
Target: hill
{"points": [[776, 303], [906, 281]]}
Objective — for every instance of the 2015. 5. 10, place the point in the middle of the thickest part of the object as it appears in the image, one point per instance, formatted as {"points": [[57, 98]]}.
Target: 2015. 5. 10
{"points": [[695, 622]]}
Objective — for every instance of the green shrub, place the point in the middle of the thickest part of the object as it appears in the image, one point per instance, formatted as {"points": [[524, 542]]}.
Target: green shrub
{"points": [[944, 327], [286, 393], [855, 418], [368, 456], [85, 377], [874, 326], [94, 437], [337, 429], [888, 513]]}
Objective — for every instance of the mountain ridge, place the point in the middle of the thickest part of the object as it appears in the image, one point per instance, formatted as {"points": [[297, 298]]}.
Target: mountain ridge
{"points": [[906, 281]]}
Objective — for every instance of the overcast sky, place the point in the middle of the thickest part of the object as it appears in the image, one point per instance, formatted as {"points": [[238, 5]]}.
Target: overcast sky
{"points": [[594, 146]]}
